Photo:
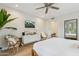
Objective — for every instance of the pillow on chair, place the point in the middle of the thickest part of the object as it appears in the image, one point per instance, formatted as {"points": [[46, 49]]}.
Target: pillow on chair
{"points": [[43, 36], [13, 41]]}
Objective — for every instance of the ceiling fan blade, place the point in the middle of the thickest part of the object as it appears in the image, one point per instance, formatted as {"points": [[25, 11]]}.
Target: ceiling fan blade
{"points": [[54, 7], [40, 8], [46, 10], [51, 4], [52, 18]]}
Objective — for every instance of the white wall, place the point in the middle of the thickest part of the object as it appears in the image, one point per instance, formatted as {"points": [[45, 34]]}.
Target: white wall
{"points": [[51, 27], [39, 24], [17, 23], [60, 22]]}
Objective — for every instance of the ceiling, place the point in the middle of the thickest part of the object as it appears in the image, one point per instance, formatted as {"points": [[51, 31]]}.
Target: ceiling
{"points": [[29, 8]]}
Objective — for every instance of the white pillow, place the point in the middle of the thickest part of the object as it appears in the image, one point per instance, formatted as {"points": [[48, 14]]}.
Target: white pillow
{"points": [[43, 34], [12, 40]]}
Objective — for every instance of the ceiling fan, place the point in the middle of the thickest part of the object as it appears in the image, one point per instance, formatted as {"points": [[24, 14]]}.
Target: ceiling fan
{"points": [[47, 6]]}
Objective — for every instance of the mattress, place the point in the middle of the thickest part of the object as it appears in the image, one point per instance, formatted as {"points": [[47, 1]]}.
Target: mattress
{"points": [[57, 47]]}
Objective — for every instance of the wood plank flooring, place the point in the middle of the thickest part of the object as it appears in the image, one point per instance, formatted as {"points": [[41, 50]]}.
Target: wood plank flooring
{"points": [[25, 50]]}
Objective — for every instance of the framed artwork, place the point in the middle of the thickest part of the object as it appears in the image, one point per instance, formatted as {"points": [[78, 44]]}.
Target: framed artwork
{"points": [[29, 24], [70, 29]]}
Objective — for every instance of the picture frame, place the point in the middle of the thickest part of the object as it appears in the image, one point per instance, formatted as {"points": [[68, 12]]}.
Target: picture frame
{"points": [[29, 24], [71, 29]]}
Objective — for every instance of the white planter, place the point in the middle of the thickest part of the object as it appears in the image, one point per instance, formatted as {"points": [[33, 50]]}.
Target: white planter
{"points": [[3, 42]]}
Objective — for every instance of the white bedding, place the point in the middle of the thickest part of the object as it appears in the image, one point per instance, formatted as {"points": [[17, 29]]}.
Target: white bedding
{"points": [[57, 47]]}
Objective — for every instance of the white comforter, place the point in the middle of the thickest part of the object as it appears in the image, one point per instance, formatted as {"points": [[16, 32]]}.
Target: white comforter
{"points": [[57, 47]]}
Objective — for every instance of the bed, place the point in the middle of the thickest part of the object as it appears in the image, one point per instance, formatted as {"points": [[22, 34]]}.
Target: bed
{"points": [[56, 47]]}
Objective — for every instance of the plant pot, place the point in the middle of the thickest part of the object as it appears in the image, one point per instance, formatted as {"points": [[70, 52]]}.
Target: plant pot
{"points": [[3, 42]]}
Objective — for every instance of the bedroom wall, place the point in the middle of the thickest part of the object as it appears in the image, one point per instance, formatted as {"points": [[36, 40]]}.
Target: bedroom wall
{"points": [[39, 24], [60, 22], [51, 27]]}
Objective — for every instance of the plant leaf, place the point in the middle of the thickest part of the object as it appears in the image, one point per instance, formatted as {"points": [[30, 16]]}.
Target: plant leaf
{"points": [[1, 17], [10, 20], [7, 16]]}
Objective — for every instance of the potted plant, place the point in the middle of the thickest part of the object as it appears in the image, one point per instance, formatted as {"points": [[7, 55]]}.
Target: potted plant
{"points": [[4, 18]]}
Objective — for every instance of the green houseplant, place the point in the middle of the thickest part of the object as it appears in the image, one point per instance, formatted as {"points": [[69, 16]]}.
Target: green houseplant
{"points": [[4, 18]]}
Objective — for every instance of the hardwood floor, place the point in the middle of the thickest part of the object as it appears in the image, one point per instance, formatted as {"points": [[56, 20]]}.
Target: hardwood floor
{"points": [[25, 50]]}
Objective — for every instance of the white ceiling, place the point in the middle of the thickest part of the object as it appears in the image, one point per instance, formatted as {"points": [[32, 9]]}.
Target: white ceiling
{"points": [[29, 8]]}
